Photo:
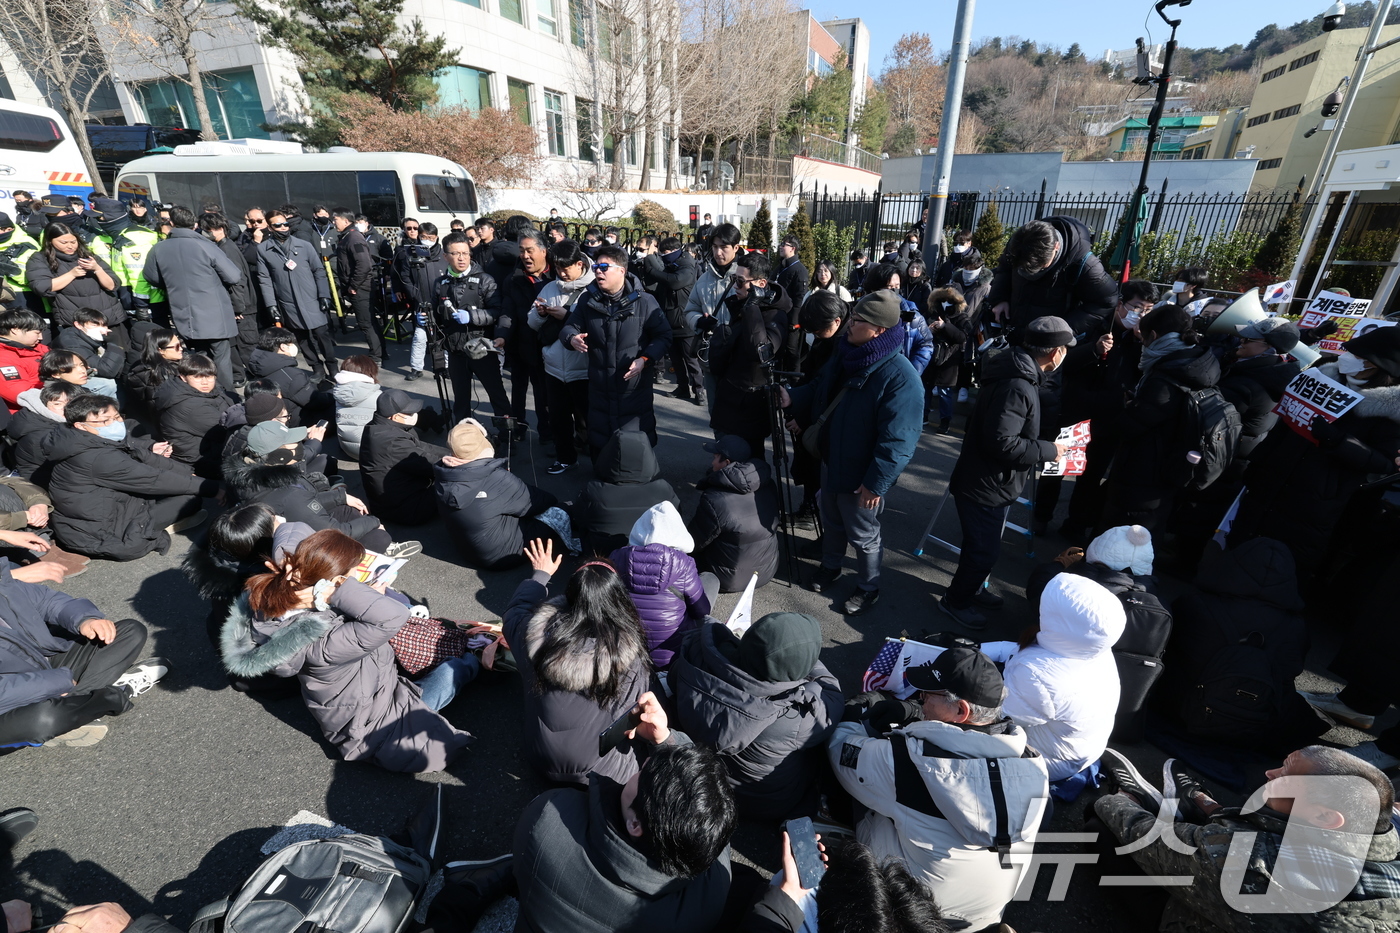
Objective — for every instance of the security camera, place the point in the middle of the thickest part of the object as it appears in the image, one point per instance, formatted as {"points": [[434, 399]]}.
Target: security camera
{"points": [[1333, 17], [1333, 102], [1309, 133]]}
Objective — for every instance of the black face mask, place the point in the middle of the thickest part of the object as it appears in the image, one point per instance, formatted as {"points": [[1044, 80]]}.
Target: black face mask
{"points": [[114, 226], [280, 233]]}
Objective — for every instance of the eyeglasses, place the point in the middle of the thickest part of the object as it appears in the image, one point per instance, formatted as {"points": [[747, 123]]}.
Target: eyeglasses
{"points": [[410, 229], [737, 279], [941, 694], [599, 267], [174, 345], [279, 225]]}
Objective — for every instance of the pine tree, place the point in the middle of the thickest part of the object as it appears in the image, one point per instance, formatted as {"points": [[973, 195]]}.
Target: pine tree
{"points": [[801, 227], [761, 233], [1280, 247], [989, 236]]}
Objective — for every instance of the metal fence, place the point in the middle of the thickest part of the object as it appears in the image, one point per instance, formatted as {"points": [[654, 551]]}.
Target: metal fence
{"points": [[880, 217]]}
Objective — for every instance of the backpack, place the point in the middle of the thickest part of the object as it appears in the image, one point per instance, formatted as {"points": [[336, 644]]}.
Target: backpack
{"points": [[1232, 696], [1210, 426], [349, 884], [1138, 654]]}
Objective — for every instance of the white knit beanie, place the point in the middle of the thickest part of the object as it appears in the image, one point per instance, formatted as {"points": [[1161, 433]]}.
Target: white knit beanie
{"points": [[1127, 547]]}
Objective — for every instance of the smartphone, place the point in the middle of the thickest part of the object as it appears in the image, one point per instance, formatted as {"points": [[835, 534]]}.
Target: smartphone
{"points": [[614, 735], [803, 839], [323, 423]]}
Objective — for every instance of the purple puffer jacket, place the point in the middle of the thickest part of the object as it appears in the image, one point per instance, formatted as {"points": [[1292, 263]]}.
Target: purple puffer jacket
{"points": [[665, 585]]}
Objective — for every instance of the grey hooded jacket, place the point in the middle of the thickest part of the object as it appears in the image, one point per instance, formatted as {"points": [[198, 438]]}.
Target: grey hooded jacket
{"points": [[349, 678]]}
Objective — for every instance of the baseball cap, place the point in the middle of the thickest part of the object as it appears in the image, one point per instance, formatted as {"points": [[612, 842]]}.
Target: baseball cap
{"points": [[966, 672], [730, 447], [397, 402], [108, 208], [264, 438], [1047, 333], [1277, 332]]}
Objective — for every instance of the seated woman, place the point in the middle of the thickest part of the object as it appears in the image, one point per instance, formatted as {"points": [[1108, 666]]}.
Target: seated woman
{"points": [[306, 619], [671, 595], [356, 391], [190, 410], [583, 662], [158, 365]]}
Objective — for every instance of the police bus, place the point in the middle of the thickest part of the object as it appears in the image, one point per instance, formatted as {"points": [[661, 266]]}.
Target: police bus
{"points": [[38, 155], [239, 174]]}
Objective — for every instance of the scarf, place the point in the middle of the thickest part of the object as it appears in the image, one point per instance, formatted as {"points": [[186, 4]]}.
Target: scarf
{"points": [[858, 359], [1162, 346]]}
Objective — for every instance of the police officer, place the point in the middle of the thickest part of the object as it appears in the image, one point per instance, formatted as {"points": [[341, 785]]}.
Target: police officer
{"points": [[125, 246], [15, 249], [464, 306]]}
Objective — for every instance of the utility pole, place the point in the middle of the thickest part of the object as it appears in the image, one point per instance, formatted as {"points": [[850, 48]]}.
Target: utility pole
{"points": [[948, 133], [1363, 59]]}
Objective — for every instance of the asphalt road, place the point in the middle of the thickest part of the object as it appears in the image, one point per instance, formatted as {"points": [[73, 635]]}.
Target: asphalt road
{"points": [[168, 812]]}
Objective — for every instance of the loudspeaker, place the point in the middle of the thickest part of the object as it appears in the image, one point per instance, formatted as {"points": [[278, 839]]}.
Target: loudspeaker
{"points": [[1305, 355], [1246, 310]]}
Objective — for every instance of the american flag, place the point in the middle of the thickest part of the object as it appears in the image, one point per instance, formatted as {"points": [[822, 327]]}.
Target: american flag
{"points": [[877, 675]]}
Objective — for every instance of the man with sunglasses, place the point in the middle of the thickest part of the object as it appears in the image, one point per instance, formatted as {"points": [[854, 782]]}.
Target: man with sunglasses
{"points": [[294, 287], [622, 329], [948, 783]]}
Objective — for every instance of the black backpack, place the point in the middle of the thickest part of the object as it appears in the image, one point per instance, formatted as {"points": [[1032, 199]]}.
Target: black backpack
{"points": [[1210, 426], [1233, 697], [1138, 654]]}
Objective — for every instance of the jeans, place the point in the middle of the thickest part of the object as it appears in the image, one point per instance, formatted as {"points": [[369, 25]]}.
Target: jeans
{"points": [[444, 681], [418, 350], [981, 546], [843, 522], [947, 397]]}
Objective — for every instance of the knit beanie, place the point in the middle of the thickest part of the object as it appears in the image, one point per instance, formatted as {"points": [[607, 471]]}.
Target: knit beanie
{"points": [[1127, 547], [781, 647]]}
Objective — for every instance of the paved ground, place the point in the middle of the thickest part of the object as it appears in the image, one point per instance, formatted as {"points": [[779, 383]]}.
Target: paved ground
{"points": [[168, 812]]}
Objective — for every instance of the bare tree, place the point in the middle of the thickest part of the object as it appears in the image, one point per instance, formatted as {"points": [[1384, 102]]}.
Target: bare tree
{"points": [[162, 36], [58, 43]]}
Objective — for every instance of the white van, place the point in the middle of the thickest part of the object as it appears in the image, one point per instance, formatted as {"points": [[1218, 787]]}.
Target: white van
{"points": [[385, 186], [38, 155]]}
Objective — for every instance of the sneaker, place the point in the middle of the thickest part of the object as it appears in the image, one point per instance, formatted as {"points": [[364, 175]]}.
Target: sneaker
{"points": [[1369, 753], [557, 467], [861, 601], [1334, 710], [192, 521], [699, 401], [962, 395], [489, 879], [413, 374], [969, 617], [986, 599], [945, 426], [1129, 779], [15, 825], [403, 549], [823, 578], [143, 675], [81, 737], [1183, 788]]}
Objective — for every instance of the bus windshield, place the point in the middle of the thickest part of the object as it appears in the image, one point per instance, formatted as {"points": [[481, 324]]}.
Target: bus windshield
{"points": [[444, 193]]}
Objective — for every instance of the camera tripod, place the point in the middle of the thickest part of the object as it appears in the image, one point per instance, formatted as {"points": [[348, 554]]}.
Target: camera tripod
{"points": [[782, 469]]}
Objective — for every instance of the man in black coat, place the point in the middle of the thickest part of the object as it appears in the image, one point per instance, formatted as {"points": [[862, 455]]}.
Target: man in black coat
{"points": [[1049, 268], [669, 273], [354, 277], [245, 309], [518, 292], [88, 338], [792, 275], [1001, 448], [740, 350], [276, 359], [464, 302], [622, 330], [395, 465], [702, 233]]}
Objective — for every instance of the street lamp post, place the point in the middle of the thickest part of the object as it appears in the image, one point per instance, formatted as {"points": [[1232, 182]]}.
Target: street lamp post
{"points": [[948, 134]]}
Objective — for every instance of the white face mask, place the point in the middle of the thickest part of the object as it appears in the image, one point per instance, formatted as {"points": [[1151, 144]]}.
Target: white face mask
{"points": [[1179, 287], [95, 335], [1357, 383], [1348, 363], [1130, 320], [409, 420], [962, 248], [362, 227]]}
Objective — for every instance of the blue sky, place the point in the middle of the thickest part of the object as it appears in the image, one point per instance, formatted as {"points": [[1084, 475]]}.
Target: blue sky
{"points": [[1095, 24]]}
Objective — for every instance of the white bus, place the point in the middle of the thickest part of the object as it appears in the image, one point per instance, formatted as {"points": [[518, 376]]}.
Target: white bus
{"points": [[385, 186], [38, 155]]}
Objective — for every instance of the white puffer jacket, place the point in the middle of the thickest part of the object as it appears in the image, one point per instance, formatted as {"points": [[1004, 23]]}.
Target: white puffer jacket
{"points": [[560, 360], [952, 855], [356, 396], [1064, 688]]}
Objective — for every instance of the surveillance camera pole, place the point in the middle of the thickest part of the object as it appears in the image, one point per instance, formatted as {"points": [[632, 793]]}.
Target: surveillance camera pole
{"points": [[948, 134], [1363, 59]]}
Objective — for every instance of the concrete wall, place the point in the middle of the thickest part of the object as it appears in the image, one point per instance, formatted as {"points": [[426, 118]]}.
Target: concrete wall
{"points": [[818, 173], [1024, 171]]}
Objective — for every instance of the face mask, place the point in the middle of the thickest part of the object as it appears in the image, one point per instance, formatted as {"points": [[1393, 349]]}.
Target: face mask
{"points": [[281, 233], [611, 240], [1357, 383], [362, 227], [1130, 320], [962, 248], [95, 335], [411, 420], [1349, 363], [113, 432], [1178, 287]]}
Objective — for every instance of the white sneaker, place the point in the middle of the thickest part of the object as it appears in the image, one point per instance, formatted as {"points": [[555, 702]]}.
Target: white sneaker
{"points": [[189, 522], [81, 737], [403, 549], [143, 675], [1368, 753], [1335, 710], [962, 395]]}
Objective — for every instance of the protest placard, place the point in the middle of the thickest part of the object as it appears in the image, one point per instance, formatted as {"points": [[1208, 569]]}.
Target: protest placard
{"points": [[1311, 394], [1074, 460], [1349, 313]]}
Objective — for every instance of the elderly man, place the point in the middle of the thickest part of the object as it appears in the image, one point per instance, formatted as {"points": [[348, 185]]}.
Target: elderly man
{"points": [[950, 789]]}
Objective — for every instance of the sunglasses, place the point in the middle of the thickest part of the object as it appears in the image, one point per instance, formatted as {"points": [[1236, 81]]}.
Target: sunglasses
{"points": [[603, 266], [252, 222], [279, 225]]}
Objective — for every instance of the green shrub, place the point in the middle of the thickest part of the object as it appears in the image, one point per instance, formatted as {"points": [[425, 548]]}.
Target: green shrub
{"points": [[989, 236], [653, 216], [759, 234]]}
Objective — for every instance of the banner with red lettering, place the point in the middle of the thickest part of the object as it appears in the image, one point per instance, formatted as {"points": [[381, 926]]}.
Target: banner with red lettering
{"points": [[1349, 313], [1311, 394], [1074, 460]]}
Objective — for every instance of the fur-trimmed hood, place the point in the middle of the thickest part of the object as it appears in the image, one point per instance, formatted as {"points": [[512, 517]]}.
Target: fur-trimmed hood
{"points": [[248, 652], [215, 581], [951, 296], [249, 477], [574, 672]]}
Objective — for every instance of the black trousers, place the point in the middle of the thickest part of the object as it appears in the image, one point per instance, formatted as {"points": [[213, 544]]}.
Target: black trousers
{"points": [[528, 370], [461, 367], [166, 512], [981, 547], [95, 667], [1087, 501], [376, 540], [689, 378], [568, 410], [244, 344], [318, 346], [221, 352], [364, 319]]}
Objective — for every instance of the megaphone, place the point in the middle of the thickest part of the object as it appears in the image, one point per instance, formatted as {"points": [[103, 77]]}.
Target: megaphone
{"points": [[1305, 355], [1246, 310]]}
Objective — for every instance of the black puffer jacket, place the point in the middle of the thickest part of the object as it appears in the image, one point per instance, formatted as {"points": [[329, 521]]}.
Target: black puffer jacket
{"points": [[191, 421], [1076, 287], [628, 484], [83, 293], [102, 492], [948, 341], [1098, 387], [1152, 454], [1254, 386], [27, 429], [735, 525], [295, 383], [1002, 442], [670, 278], [753, 334], [482, 503], [293, 495], [108, 361], [396, 467], [619, 329]]}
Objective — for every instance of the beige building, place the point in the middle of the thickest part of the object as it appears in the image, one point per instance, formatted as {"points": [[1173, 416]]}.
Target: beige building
{"points": [[1288, 100]]}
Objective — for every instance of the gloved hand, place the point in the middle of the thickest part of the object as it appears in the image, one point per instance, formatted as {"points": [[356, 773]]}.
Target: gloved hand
{"points": [[462, 315], [857, 706], [1326, 432], [275, 313], [326, 306], [706, 324], [421, 319], [891, 714]]}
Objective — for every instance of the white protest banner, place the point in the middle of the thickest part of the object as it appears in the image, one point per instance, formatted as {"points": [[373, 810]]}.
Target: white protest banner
{"points": [[1311, 394], [742, 616], [1348, 312], [1074, 460], [1278, 292]]}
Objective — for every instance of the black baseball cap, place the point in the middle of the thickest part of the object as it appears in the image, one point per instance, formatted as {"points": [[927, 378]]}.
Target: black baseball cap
{"points": [[730, 447], [397, 402], [966, 672]]}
